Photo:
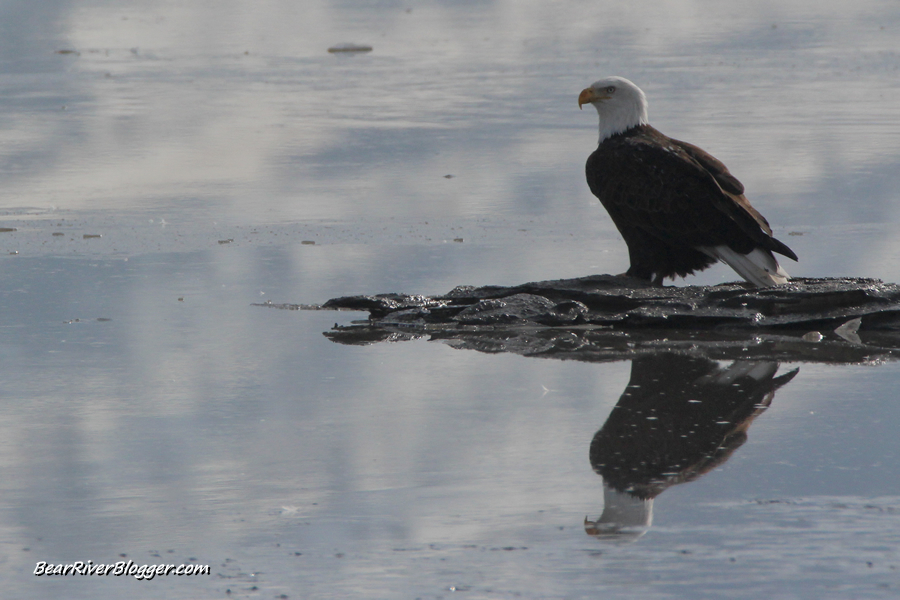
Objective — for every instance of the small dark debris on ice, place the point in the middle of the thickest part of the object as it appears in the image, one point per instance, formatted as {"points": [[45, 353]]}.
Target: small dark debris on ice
{"points": [[349, 48]]}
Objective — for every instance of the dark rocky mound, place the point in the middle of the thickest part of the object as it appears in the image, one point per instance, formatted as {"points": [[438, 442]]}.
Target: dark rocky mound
{"points": [[629, 304], [605, 317]]}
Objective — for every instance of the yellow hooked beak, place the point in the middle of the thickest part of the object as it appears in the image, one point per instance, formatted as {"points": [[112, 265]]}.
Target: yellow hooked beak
{"points": [[589, 95]]}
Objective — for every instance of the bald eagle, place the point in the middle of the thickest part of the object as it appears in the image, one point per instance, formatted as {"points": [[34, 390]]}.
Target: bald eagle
{"points": [[678, 208]]}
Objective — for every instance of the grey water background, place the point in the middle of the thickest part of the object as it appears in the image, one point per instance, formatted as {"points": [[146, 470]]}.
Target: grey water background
{"points": [[225, 158]]}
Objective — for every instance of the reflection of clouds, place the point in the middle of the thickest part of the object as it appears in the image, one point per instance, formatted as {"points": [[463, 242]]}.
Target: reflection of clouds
{"points": [[483, 91]]}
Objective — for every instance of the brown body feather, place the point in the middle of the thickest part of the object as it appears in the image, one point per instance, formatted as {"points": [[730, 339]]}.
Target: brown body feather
{"points": [[668, 198]]}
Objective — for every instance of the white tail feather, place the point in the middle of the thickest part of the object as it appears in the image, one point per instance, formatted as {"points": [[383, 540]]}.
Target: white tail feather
{"points": [[759, 266], [756, 370]]}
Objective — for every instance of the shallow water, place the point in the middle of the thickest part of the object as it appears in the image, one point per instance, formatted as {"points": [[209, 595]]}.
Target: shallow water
{"points": [[225, 158]]}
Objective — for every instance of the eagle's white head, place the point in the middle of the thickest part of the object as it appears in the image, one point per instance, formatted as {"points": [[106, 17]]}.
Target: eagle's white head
{"points": [[620, 104]]}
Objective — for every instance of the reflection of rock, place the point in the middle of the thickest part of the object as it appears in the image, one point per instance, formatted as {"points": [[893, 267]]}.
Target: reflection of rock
{"points": [[678, 418], [604, 344]]}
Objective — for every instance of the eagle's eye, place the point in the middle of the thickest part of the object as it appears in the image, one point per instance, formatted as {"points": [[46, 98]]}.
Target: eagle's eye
{"points": [[611, 89]]}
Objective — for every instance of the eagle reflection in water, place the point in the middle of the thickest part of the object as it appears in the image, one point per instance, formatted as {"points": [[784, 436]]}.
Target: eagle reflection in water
{"points": [[678, 418]]}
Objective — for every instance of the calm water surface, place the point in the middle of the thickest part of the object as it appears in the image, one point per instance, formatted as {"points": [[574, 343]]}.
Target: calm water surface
{"points": [[166, 166]]}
